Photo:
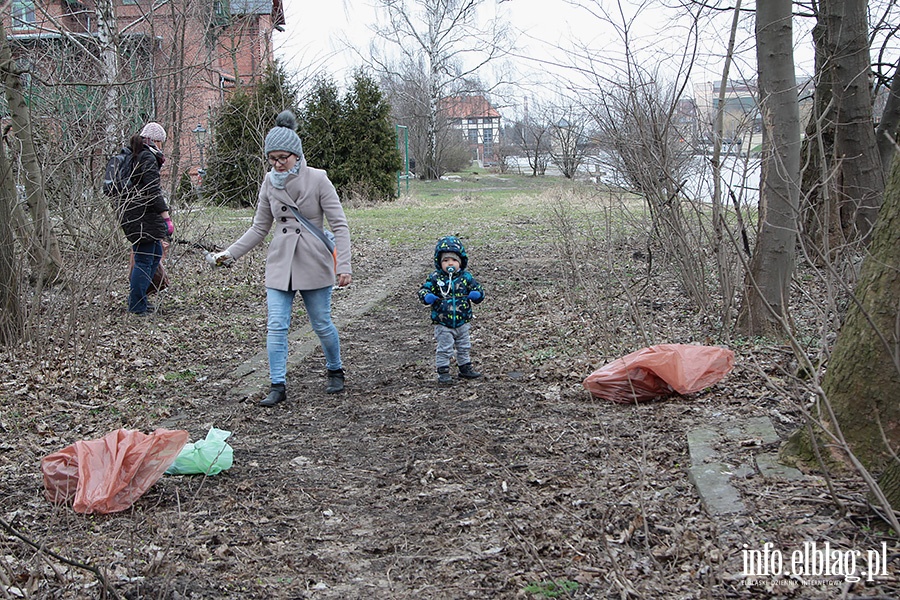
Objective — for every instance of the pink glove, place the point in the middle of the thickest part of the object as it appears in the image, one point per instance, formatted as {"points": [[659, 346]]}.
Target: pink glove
{"points": [[170, 227]]}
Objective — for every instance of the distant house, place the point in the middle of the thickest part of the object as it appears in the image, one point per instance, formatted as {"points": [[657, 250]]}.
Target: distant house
{"points": [[685, 119], [740, 113], [479, 123], [178, 62]]}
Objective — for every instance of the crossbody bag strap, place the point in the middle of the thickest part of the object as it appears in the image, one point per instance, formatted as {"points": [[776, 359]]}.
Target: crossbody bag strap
{"points": [[313, 229]]}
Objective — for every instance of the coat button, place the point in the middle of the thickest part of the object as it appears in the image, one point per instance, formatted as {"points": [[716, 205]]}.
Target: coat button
{"points": [[298, 231], [284, 208], [284, 230], [284, 219]]}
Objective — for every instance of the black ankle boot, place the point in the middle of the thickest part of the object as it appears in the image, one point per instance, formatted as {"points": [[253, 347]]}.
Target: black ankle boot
{"points": [[276, 394], [467, 372], [335, 381], [444, 375]]}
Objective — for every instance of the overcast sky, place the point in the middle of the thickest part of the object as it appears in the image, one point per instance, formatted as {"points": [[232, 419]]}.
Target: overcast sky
{"points": [[313, 37]]}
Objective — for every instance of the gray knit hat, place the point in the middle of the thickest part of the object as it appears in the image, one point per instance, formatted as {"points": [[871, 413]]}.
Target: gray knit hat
{"points": [[284, 135]]}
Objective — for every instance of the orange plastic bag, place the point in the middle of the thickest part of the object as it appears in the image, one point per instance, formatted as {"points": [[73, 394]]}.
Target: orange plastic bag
{"points": [[660, 370], [109, 474]]}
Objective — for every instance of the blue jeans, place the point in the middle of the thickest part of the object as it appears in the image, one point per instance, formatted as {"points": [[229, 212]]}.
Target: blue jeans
{"points": [[147, 254], [318, 307]]}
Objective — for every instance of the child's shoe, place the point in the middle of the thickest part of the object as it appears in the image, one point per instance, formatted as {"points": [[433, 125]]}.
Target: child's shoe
{"points": [[444, 375], [467, 372]]}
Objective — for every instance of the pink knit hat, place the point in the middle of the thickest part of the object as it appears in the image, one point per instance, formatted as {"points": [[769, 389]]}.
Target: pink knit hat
{"points": [[154, 131]]}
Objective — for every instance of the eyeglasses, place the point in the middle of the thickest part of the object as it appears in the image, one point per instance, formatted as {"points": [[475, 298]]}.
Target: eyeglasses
{"points": [[283, 160]]}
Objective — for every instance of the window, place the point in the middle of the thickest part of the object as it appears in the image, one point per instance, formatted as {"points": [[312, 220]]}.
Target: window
{"points": [[23, 14], [473, 136], [488, 136]]}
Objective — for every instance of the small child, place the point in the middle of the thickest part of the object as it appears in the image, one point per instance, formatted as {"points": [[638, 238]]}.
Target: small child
{"points": [[450, 291]]}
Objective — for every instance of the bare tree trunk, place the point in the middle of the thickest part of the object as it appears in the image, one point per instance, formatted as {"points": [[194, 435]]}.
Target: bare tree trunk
{"points": [[432, 170], [12, 315], [107, 36], [179, 74], [889, 126], [860, 180], [767, 284], [435, 36], [719, 202], [820, 221], [43, 247], [863, 378]]}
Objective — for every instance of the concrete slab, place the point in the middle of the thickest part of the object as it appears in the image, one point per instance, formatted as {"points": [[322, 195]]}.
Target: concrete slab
{"points": [[701, 444], [713, 478], [770, 468], [754, 428], [718, 496], [710, 477]]}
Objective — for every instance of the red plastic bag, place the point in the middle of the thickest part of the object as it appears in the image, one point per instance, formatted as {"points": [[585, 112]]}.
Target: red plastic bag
{"points": [[660, 370], [109, 474]]}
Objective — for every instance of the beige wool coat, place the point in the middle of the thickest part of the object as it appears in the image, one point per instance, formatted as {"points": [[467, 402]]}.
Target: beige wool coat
{"points": [[297, 259]]}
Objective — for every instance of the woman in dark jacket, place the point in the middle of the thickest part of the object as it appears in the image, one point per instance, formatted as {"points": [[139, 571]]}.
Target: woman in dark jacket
{"points": [[145, 214]]}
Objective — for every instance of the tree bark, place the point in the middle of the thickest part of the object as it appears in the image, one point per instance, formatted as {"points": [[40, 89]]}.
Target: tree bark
{"points": [[107, 37], [767, 283], [889, 125], [12, 315], [43, 247], [863, 378], [819, 217], [860, 180]]}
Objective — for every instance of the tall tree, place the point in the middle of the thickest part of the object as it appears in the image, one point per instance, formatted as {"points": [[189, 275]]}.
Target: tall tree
{"points": [[372, 159], [863, 378], [889, 125], [236, 165], [568, 130], [352, 137], [12, 315], [767, 282], [860, 180], [320, 125], [43, 246], [531, 137], [441, 43]]}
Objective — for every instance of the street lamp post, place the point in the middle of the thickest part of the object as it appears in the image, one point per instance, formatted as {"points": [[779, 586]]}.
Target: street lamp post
{"points": [[200, 135]]}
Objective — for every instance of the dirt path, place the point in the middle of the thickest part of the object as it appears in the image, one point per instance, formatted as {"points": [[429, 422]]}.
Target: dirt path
{"points": [[516, 485]]}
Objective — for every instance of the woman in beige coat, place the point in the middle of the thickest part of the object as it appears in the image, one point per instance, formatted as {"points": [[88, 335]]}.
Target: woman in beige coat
{"points": [[298, 260]]}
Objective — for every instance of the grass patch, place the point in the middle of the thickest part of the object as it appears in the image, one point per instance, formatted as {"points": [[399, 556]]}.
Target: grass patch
{"points": [[184, 375], [552, 589], [479, 207]]}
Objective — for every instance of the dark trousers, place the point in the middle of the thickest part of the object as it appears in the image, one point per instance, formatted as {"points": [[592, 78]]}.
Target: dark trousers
{"points": [[147, 254]]}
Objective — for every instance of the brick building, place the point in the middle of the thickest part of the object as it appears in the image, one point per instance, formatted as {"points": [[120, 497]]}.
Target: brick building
{"points": [[175, 62]]}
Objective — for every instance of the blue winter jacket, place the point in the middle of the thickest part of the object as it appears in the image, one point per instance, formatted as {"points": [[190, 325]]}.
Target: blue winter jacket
{"points": [[453, 307]]}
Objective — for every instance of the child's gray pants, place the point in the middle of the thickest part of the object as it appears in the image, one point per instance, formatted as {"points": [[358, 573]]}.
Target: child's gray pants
{"points": [[449, 338]]}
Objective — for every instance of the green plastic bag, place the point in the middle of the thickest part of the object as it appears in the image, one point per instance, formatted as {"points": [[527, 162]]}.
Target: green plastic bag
{"points": [[205, 457]]}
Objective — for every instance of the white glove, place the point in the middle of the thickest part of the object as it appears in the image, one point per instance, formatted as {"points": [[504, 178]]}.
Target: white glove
{"points": [[220, 259]]}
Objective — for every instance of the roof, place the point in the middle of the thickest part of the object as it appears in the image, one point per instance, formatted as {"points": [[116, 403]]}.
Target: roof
{"points": [[250, 7], [468, 107], [259, 7]]}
